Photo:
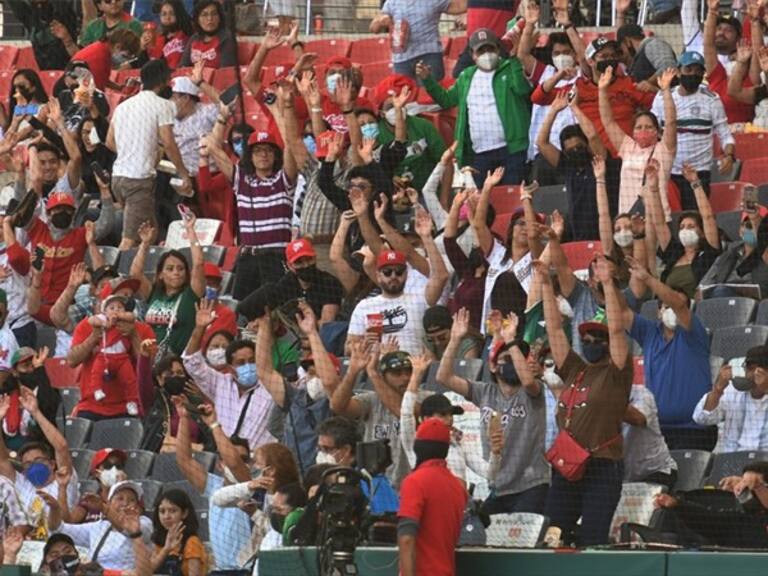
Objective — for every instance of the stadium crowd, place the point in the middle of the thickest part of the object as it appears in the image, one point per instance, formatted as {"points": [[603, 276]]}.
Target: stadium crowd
{"points": [[229, 267]]}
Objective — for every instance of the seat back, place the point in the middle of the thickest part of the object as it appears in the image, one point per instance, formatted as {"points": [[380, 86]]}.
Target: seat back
{"points": [[725, 312], [199, 501], [165, 468], [635, 505], [580, 254], [726, 196], [732, 464], [692, 468], [138, 465], [81, 461], [152, 489], [516, 530], [69, 399], [77, 431], [547, 199], [761, 319], [505, 199], [122, 433], [734, 341]]}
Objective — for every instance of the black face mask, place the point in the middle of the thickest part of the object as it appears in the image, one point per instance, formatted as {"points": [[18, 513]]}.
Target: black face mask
{"points": [[166, 93], [594, 352], [62, 220], [507, 373], [691, 82], [578, 156], [130, 304], [174, 385], [25, 92], [476, 259], [308, 274], [11, 384], [603, 64], [277, 521], [28, 380]]}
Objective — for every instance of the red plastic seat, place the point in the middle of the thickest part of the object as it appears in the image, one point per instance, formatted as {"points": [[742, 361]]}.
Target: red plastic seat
{"points": [[500, 225], [245, 52], [456, 47], [223, 78], [328, 48], [505, 199], [6, 80], [638, 377], [750, 146], [580, 254], [366, 50], [280, 55], [272, 73], [49, 79], [8, 55], [230, 259], [26, 59], [376, 72], [60, 374], [727, 196], [754, 170]]}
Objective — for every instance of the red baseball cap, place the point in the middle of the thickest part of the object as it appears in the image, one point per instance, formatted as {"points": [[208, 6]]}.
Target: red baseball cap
{"points": [[592, 326], [340, 62], [212, 271], [59, 199], [101, 456], [301, 248], [392, 85], [390, 258], [434, 430], [334, 359], [263, 137], [113, 286]]}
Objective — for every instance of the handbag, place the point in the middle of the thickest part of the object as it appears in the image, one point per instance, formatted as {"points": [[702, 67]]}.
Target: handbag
{"points": [[566, 455]]}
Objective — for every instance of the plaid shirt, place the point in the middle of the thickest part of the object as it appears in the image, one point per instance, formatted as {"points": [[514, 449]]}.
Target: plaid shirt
{"points": [[11, 510], [318, 215]]}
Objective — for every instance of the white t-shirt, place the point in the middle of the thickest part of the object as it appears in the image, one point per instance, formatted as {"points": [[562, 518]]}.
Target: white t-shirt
{"points": [[117, 551], [187, 133], [485, 127], [497, 265], [35, 507], [8, 346], [137, 123], [15, 286], [402, 317]]}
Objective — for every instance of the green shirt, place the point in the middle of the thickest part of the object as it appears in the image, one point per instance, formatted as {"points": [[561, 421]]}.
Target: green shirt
{"points": [[97, 29], [178, 310], [535, 330], [425, 147], [284, 353]]}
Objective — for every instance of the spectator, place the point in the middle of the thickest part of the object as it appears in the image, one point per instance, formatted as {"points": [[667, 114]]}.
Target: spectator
{"points": [[212, 42], [646, 57], [15, 285], [113, 17], [591, 411], [101, 56], [437, 323], [59, 547], [242, 402], [93, 149], [414, 32], [178, 548], [107, 468], [743, 91], [176, 290], [107, 345], [175, 29], [25, 98], [647, 142], [51, 27], [379, 409], [306, 401], [137, 126], [646, 456], [117, 540], [287, 509], [515, 397], [193, 118], [464, 453], [229, 527], [491, 132], [700, 115], [432, 507], [738, 403], [303, 280], [216, 348], [491, 14], [226, 319]]}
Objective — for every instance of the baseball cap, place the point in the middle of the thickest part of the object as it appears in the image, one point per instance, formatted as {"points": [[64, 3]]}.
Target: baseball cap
{"points": [[339, 62], [101, 456], [435, 430], [108, 290], [599, 44], [630, 30], [212, 271], [54, 539], [263, 137], [439, 404], [22, 354], [731, 21], [437, 318], [390, 258], [102, 272], [757, 356], [483, 37], [392, 85], [126, 485], [60, 199], [592, 326], [183, 85], [398, 360], [690, 58], [301, 248]]}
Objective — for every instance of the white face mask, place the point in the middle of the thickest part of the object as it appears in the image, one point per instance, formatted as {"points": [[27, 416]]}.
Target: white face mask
{"points": [[110, 476], [688, 237], [562, 61], [315, 389], [325, 458], [93, 136], [488, 61], [669, 318], [229, 476], [391, 116], [623, 238], [216, 357], [565, 307]]}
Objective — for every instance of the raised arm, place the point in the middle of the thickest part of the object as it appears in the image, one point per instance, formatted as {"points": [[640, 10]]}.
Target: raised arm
{"points": [[530, 384], [710, 26], [446, 374], [252, 79], [342, 402], [588, 127], [270, 378], [480, 212], [6, 467], [60, 310], [52, 434], [605, 224], [229, 455], [617, 341], [192, 470], [388, 396], [324, 367], [344, 272], [531, 228], [615, 134], [147, 235], [368, 231], [711, 232], [553, 321], [438, 272], [670, 111], [396, 240], [75, 163], [197, 274], [655, 211], [81, 352], [526, 44], [736, 88], [551, 153]]}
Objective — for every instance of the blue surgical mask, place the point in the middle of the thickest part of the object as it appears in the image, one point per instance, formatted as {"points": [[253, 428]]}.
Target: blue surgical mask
{"points": [[370, 130], [331, 82], [38, 474], [238, 148], [309, 142], [594, 352], [749, 237], [211, 293], [247, 376]]}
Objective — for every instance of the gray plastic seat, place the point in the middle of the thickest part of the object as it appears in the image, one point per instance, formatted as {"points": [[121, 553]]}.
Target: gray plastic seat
{"points": [[123, 433], [547, 199], [69, 399], [730, 223], [110, 254], [734, 342], [725, 312], [81, 462], [761, 319], [732, 464], [125, 261], [139, 464], [692, 468], [152, 489], [77, 431], [165, 468]]}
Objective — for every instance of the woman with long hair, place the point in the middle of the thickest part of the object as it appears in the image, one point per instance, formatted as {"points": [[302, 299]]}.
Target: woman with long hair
{"points": [[212, 42], [26, 96], [178, 548], [171, 39]]}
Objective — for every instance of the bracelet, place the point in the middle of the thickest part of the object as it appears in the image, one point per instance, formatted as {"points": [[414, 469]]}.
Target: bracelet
{"points": [[297, 43], [214, 426], [696, 184], [133, 535], [350, 111], [639, 236], [316, 110]]}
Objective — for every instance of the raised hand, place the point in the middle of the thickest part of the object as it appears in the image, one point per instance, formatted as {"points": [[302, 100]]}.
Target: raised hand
{"points": [[335, 147], [358, 201], [344, 92], [54, 110], [527, 190], [603, 269], [493, 178], [365, 149], [207, 414], [174, 537], [542, 269], [424, 223], [638, 224], [421, 362], [652, 170], [391, 344], [605, 78], [293, 35], [306, 319], [204, 313], [5, 404], [637, 270], [665, 81], [148, 347], [380, 208], [509, 328], [423, 71], [689, 172], [307, 87], [762, 56], [358, 358], [28, 401], [272, 39], [560, 102], [532, 13], [449, 154], [400, 100], [77, 275], [598, 166], [147, 233], [347, 217], [38, 360], [558, 223], [460, 326]]}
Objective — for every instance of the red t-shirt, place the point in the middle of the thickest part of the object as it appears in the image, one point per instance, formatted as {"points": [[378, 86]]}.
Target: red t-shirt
{"points": [[333, 115], [625, 99], [226, 319], [60, 256], [99, 60], [735, 111], [171, 48], [118, 391], [494, 18], [208, 51], [432, 496]]}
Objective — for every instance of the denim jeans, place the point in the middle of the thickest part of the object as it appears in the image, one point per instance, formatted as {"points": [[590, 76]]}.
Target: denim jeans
{"points": [[593, 499], [434, 60], [531, 500], [514, 165]]}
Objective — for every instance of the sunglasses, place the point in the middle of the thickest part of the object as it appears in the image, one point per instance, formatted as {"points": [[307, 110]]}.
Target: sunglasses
{"points": [[389, 272], [399, 371]]}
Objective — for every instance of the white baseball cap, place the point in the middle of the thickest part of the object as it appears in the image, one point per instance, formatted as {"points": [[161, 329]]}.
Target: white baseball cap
{"points": [[126, 485], [183, 85]]}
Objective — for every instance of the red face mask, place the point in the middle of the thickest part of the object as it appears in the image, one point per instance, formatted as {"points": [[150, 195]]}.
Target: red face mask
{"points": [[645, 137]]}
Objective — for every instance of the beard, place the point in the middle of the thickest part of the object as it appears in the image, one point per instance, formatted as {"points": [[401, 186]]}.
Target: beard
{"points": [[392, 289]]}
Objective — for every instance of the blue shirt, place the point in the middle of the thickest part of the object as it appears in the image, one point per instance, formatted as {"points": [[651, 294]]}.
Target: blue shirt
{"points": [[384, 497], [676, 371], [229, 528]]}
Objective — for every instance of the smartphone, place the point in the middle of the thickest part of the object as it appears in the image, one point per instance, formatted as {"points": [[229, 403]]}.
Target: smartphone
{"points": [[229, 95], [102, 174], [269, 98], [37, 261], [749, 197], [183, 209], [571, 95], [494, 424]]}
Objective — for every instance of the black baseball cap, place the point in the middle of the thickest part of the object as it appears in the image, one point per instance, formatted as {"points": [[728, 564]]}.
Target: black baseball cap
{"points": [[483, 37], [55, 539], [437, 318], [629, 31], [731, 21], [757, 356], [102, 272], [439, 404]]}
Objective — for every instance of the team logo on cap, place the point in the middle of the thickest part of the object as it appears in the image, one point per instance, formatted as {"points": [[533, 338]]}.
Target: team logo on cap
{"points": [[391, 256], [298, 245], [482, 35]]}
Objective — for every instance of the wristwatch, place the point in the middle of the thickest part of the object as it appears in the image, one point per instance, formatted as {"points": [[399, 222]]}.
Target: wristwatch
{"points": [[133, 535]]}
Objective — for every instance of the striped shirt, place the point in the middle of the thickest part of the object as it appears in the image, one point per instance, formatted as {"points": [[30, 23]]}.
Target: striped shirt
{"points": [[699, 115], [264, 209]]}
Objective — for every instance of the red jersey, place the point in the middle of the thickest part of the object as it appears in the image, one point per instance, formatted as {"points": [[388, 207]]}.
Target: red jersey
{"points": [[60, 256], [735, 111], [435, 499], [99, 59], [208, 51], [333, 115], [625, 99], [170, 47]]}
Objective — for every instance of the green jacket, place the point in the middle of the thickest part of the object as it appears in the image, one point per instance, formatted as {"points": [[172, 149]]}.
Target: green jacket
{"points": [[512, 92]]}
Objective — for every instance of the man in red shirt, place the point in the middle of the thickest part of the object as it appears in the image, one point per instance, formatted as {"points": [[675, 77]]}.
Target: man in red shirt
{"points": [[119, 47], [432, 502], [626, 99]]}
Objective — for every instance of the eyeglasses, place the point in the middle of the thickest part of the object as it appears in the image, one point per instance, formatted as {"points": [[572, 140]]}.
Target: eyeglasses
{"points": [[389, 272], [359, 186], [399, 371]]}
